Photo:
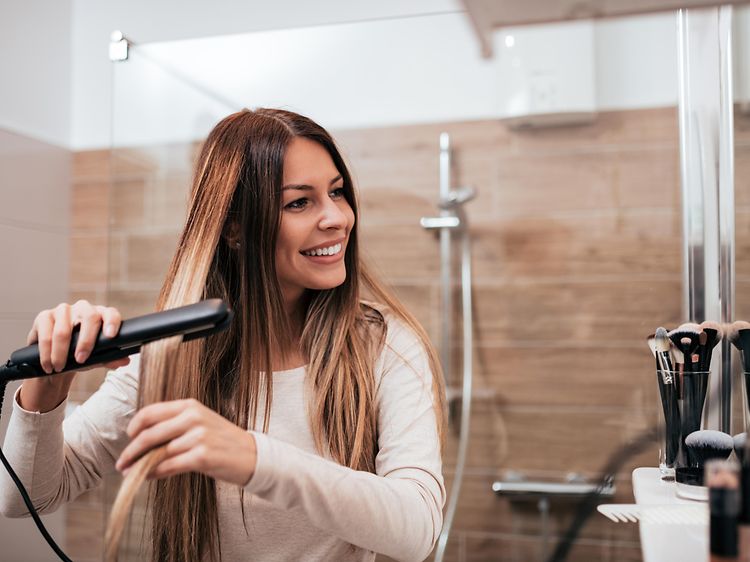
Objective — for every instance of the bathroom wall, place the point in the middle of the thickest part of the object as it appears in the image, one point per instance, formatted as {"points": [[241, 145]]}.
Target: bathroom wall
{"points": [[34, 223], [35, 63], [576, 257]]}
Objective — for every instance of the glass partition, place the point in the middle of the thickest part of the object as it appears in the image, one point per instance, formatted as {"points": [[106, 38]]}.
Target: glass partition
{"points": [[159, 118], [576, 233]]}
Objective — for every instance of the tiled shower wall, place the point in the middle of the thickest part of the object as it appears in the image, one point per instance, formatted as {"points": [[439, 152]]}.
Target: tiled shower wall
{"points": [[576, 252]]}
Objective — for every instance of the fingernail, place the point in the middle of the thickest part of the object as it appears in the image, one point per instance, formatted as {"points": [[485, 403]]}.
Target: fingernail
{"points": [[80, 357], [109, 330]]}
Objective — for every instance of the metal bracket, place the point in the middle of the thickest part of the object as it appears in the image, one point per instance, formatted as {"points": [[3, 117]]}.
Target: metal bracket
{"points": [[119, 47]]}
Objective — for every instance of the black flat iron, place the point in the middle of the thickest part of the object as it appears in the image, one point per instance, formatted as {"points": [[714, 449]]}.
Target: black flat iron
{"points": [[192, 321]]}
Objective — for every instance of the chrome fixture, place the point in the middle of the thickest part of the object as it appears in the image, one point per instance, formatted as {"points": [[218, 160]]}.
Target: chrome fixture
{"points": [[119, 47], [439, 222], [453, 219], [574, 488], [707, 178], [516, 487]]}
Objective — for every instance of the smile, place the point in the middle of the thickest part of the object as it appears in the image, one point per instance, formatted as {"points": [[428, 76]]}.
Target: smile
{"points": [[327, 251]]}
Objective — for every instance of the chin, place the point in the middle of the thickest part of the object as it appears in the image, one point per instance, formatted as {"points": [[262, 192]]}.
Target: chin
{"points": [[327, 283]]}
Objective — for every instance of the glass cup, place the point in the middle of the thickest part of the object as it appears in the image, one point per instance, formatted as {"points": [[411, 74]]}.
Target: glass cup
{"points": [[690, 389], [669, 427]]}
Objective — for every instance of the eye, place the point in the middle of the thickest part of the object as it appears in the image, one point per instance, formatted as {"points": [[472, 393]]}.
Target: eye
{"points": [[337, 193], [297, 204]]}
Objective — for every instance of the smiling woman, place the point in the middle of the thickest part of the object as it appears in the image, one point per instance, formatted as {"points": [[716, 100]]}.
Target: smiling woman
{"points": [[310, 430]]}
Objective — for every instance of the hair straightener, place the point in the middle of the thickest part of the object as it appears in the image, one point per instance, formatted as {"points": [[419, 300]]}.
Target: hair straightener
{"points": [[193, 321]]}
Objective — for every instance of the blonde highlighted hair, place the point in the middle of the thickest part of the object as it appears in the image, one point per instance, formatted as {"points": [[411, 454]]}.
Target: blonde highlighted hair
{"points": [[237, 184]]}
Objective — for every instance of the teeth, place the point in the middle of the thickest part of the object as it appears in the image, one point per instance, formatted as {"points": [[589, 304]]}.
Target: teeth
{"points": [[330, 251]]}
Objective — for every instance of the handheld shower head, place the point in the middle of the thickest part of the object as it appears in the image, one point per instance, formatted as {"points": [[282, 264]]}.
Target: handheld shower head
{"points": [[457, 197]]}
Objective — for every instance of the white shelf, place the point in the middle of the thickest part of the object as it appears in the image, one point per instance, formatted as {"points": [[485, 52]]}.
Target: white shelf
{"points": [[668, 542]]}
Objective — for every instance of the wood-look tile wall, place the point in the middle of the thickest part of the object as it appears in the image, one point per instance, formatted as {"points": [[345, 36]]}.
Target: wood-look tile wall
{"points": [[576, 251]]}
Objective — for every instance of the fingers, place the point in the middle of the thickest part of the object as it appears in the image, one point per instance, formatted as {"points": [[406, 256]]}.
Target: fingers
{"points": [[90, 321], [155, 413], [41, 332], [156, 435], [184, 454], [52, 330], [111, 318], [191, 460], [61, 332], [197, 440], [92, 318]]}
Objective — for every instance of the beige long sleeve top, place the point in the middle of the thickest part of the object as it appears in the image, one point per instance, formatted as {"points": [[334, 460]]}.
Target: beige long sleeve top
{"points": [[299, 505]]}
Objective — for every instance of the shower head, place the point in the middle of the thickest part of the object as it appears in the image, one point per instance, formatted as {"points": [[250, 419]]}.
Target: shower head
{"points": [[457, 197]]}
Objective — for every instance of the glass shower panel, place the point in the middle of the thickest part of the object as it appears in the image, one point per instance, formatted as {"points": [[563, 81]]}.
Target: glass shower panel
{"points": [[159, 120], [576, 233]]}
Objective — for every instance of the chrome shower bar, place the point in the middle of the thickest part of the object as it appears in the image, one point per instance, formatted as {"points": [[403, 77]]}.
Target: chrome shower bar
{"points": [[707, 179], [453, 218]]}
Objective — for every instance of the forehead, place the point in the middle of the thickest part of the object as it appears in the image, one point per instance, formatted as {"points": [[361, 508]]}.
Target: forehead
{"points": [[306, 161]]}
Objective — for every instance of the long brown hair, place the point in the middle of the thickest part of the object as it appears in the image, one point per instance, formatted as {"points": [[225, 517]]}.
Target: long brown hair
{"points": [[237, 182]]}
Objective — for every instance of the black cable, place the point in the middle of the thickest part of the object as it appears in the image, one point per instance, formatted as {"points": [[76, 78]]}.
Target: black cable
{"points": [[25, 495], [590, 500]]}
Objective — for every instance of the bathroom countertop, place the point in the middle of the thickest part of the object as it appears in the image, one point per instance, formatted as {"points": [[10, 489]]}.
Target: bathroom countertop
{"points": [[668, 541]]}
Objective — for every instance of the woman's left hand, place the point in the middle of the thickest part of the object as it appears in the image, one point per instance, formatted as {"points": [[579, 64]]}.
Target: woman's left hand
{"points": [[197, 438]]}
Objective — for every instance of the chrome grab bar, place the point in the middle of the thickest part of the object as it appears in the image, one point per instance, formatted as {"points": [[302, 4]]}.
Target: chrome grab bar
{"points": [[557, 489]]}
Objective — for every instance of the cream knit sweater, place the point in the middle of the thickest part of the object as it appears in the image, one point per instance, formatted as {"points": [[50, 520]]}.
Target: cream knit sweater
{"points": [[298, 505]]}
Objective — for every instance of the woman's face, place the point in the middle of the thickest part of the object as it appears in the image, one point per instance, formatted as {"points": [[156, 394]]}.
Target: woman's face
{"points": [[316, 220]]}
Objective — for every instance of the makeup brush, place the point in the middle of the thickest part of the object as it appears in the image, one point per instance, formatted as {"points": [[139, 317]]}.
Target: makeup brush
{"points": [[739, 335], [689, 383], [708, 444], [686, 338], [702, 446], [740, 441], [663, 350], [668, 394], [714, 334]]}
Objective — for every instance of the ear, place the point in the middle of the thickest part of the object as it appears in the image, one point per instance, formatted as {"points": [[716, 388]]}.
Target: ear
{"points": [[231, 234]]}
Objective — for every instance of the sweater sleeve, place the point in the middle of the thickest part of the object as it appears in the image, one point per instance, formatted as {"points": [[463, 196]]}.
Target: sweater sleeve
{"points": [[59, 458], [398, 510]]}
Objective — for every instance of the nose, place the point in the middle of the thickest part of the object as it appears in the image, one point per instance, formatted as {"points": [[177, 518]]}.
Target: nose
{"points": [[332, 217]]}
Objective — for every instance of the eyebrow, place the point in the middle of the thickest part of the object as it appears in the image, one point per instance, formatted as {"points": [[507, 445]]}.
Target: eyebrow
{"points": [[305, 187]]}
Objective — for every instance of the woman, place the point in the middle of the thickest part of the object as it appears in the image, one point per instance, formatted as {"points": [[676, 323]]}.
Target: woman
{"points": [[310, 430]]}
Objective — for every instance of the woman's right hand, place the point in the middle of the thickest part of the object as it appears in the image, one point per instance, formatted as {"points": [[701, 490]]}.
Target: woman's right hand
{"points": [[52, 331]]}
